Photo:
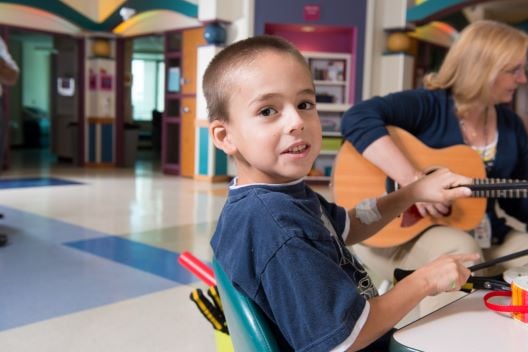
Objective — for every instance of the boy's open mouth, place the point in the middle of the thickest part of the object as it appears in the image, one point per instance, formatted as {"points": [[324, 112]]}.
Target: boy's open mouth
{"points": [[297, 149]]}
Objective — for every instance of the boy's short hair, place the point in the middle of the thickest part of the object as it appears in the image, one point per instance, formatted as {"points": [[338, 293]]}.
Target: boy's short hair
{"points": [[220, 73]]}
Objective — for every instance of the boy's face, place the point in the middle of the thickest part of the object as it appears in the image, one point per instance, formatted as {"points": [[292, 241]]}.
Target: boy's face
{"points": [[274, 132]]}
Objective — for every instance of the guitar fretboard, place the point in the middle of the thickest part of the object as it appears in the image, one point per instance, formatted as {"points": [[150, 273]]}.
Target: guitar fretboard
{"points": [[499, 188]]}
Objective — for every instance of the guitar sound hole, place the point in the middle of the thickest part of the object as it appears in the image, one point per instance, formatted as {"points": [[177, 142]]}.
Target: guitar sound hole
{"points": [[390, 185]]}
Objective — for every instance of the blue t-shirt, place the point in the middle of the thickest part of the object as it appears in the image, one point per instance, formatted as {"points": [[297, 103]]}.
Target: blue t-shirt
{"points": [[278, 245], [430, 115]]}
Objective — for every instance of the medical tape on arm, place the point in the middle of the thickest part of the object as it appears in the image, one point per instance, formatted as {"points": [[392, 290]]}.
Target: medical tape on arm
{"points": [[367, 211]]}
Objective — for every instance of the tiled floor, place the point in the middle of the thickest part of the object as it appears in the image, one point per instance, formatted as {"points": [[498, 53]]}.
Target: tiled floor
{"points": [[91, 263]]}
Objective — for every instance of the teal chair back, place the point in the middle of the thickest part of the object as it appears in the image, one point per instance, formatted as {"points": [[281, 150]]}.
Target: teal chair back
{"points": [[248, 326]]}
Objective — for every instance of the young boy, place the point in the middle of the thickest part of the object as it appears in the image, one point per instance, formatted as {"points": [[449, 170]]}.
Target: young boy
{"points": [[282, 244]]}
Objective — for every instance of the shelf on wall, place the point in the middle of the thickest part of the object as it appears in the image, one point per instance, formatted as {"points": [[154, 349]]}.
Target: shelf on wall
{"points": [[332, 75], [333, 107]]}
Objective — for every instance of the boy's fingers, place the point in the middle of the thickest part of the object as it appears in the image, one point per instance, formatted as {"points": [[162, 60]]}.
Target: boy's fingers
{"points": [[459, 192]]}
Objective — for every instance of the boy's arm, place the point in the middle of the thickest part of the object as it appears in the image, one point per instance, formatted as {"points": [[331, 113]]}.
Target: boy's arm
{"points": [[435, 187], [447, 273]]}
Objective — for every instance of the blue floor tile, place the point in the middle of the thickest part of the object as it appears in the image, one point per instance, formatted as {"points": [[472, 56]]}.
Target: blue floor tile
{"points": [[157, 261], [35, 182], [51, 268]]}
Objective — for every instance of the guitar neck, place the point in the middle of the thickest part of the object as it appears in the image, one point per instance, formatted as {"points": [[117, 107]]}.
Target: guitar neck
{"points": [[498, 188]]}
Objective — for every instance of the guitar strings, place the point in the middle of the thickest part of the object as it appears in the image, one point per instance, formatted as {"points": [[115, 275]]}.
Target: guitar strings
{"points": [[499, 188]]}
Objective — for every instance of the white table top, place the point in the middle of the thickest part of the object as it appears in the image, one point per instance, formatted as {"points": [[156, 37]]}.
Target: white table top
{"points": [[464, 325]]}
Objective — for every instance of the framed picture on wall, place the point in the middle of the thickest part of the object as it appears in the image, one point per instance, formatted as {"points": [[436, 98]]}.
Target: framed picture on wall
{"points": [[332, 70]]}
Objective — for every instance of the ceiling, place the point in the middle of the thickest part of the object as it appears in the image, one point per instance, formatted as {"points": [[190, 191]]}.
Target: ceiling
{"points": [[96, 10], [459, 13], [104, 15], [440, 21]]}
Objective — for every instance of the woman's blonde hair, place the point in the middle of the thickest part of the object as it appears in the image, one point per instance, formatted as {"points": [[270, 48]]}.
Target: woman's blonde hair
{"points": [[475, 59]]}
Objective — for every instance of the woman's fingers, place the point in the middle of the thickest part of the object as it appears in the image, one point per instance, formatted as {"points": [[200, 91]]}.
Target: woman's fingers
{"points": [[433, 209]]}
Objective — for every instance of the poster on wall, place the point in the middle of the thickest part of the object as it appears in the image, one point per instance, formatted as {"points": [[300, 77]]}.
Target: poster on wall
{"points": [[92, 80], [66, 86], [106, 80], [312, 12]]}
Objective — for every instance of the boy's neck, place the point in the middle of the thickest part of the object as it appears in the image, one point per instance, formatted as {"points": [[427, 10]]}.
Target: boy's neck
{"points": [[237, 184]]}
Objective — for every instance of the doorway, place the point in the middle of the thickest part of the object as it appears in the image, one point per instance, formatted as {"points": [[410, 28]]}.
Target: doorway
{"points": [[147, 102], [29, 100], [39, 119]]}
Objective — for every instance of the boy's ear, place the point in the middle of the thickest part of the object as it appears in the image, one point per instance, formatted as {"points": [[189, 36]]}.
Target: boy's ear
{"points": [[221, 137]]}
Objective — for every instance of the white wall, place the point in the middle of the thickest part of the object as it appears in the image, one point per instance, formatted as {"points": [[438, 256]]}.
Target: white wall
{"points": [[382, 15]]}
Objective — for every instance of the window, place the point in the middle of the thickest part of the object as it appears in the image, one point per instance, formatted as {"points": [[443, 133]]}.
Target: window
{"points": [[148, 72]]}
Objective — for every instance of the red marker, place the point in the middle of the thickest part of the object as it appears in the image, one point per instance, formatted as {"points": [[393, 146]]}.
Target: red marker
{"points": [[197, 267]]}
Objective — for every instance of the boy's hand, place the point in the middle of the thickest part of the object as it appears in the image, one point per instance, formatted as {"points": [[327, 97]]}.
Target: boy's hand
{"points": [[446, 273], [440, 187]]}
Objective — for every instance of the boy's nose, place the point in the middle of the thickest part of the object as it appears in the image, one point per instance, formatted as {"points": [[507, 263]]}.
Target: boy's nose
{"points": [[295, 122]]}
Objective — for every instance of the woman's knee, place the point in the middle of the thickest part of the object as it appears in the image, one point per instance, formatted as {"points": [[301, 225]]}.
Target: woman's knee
{"points": [[513, 242], [447, 240]]}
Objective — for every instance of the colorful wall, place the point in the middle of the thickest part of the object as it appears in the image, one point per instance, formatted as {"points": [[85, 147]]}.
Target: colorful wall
{"points": [[337, 13]]}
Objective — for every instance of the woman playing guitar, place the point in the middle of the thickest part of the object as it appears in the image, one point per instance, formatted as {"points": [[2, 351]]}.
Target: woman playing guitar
{"points": [[463, 103]]}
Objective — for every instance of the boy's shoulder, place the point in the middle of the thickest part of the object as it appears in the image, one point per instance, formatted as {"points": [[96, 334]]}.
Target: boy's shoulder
{"points": [[287, 211], [262, 217]]}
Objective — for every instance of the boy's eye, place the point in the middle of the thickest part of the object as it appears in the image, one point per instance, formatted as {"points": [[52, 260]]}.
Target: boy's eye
{"points": [[306, 105], [267, 112]]}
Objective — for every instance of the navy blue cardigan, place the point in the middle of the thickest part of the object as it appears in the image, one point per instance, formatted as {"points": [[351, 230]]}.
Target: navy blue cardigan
{"points": [[430, 116]]}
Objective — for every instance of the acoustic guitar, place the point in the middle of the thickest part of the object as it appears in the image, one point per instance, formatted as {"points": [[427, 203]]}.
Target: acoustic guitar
{"points": [[354, 179]]}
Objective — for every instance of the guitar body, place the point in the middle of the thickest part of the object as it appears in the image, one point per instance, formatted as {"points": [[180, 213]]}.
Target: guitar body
{"points": [[354, 179]]}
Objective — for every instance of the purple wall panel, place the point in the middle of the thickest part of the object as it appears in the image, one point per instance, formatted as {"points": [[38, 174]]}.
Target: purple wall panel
{"points": [[334, 13], [318, 41]]}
